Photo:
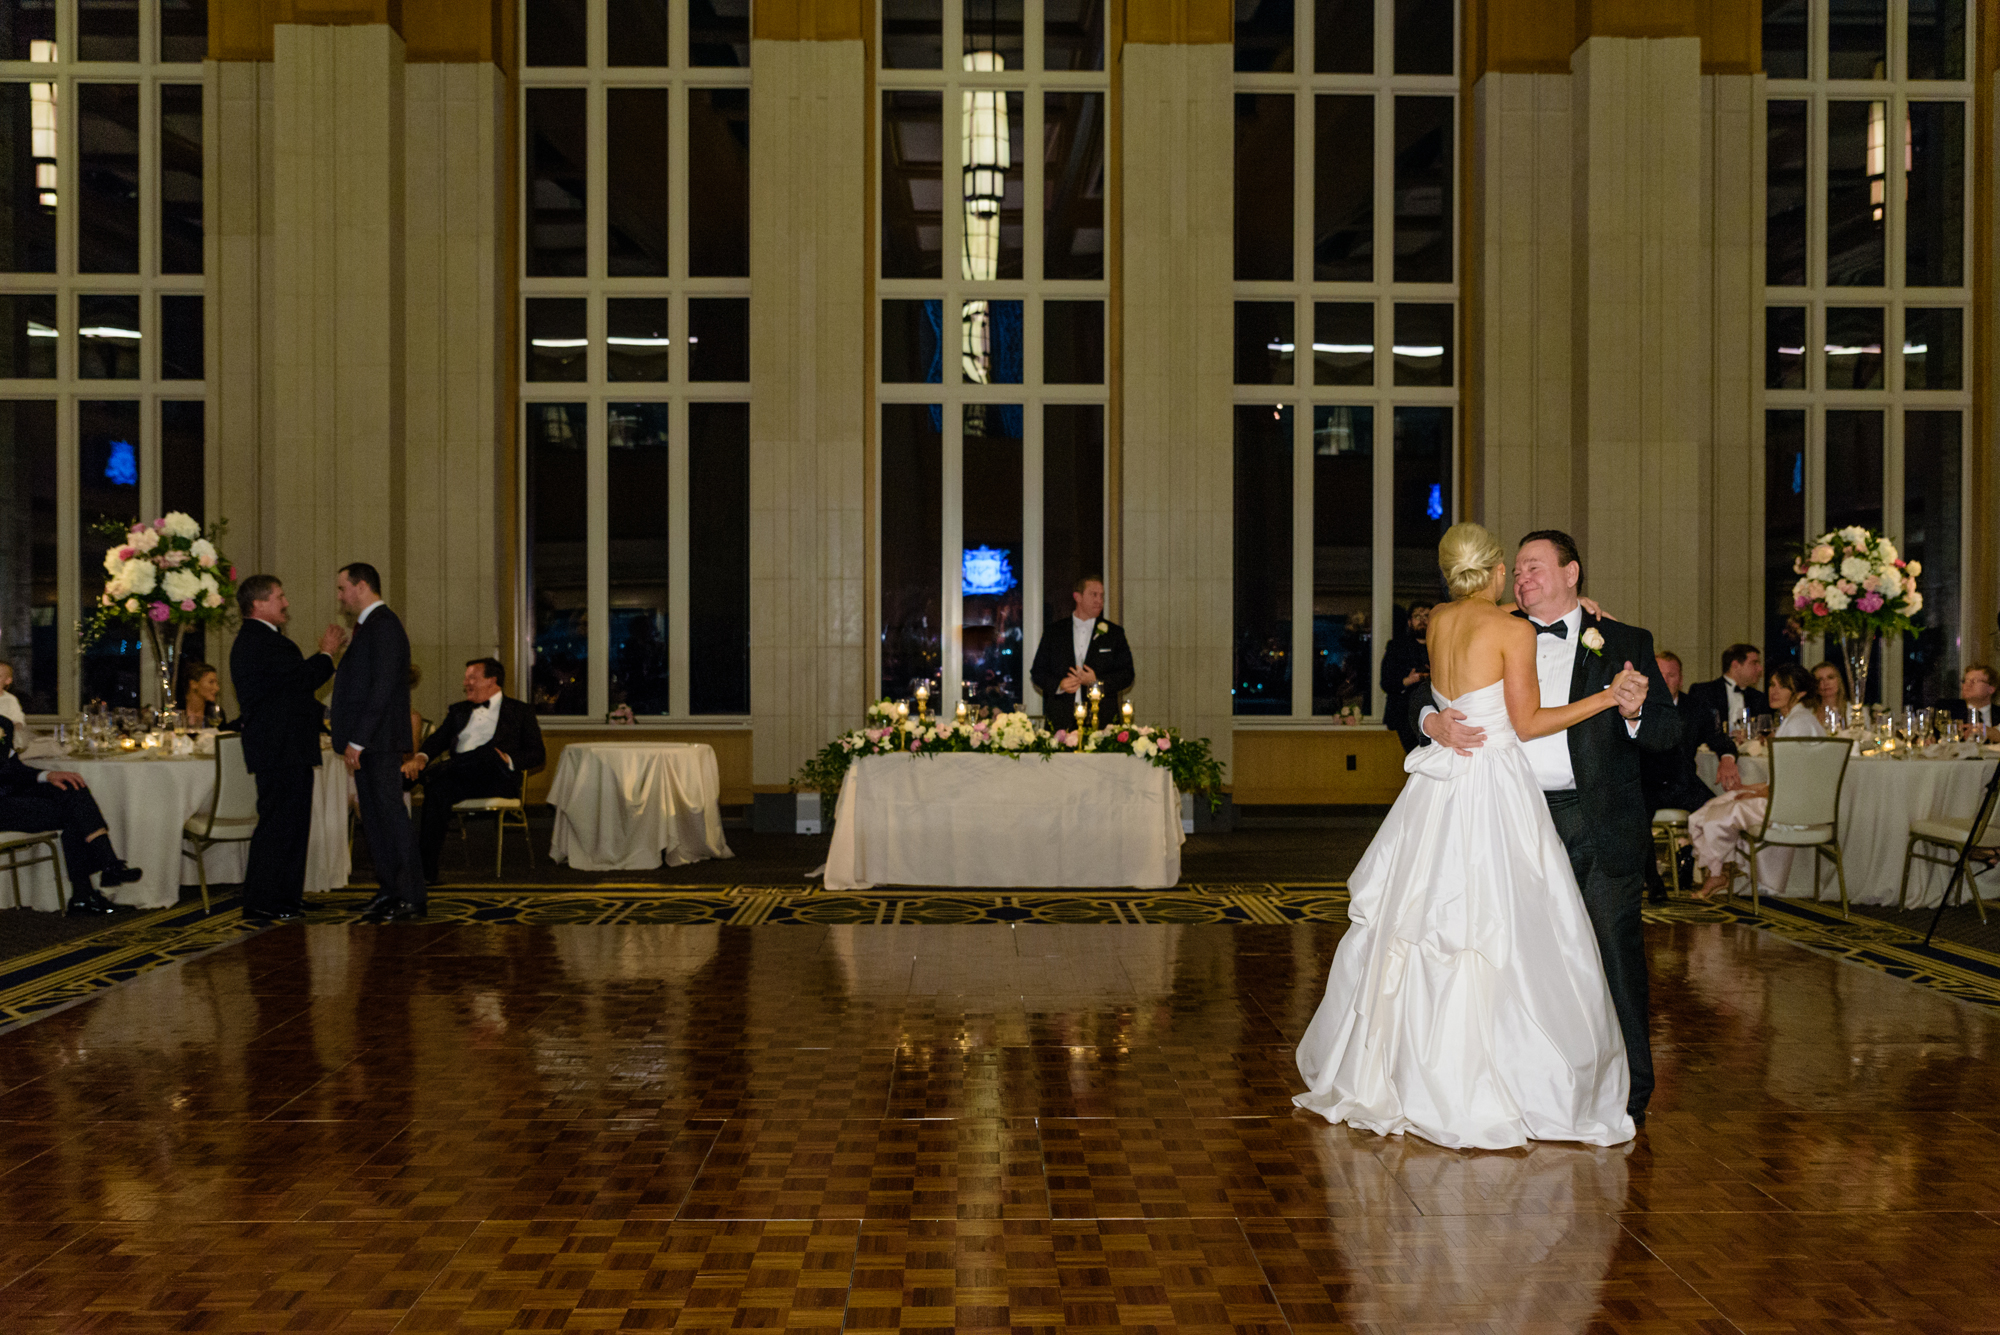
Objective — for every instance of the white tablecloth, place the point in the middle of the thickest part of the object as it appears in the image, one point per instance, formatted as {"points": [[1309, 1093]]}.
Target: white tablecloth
{"points": [[145, 805], [1878, 800], [623, 806], [976, 820]]}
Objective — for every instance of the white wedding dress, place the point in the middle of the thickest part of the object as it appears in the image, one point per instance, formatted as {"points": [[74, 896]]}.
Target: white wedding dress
{"points": [[1467, 1002]]}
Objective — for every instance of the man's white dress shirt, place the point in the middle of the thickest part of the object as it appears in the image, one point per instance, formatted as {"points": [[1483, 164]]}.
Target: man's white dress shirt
{"points": [[1980, 714], [1080, 630], [1555, 664], [478, 729], [1738, 706]]}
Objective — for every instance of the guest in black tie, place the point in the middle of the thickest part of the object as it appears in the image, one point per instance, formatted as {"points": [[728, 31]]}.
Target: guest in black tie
{"points": [[1670, 777], [486, 744], [1406, 668], [371, 732], [33, 800], [1734, 694], [275, 686], [1975, 697], [1080, 651]]}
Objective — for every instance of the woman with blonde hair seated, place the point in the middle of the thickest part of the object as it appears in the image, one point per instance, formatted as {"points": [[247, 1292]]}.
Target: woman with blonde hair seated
{"points": [[1830, 687], [1717, 827]]}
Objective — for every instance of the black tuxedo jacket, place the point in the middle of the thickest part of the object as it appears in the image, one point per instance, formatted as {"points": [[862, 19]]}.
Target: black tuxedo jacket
{"points": [[1107, 655], [371, 692], [1603, 753], [1961, 711], [1398, 657], [1671, 777], [1714, 696], [518, 733], [274, 688], [15, 774]]}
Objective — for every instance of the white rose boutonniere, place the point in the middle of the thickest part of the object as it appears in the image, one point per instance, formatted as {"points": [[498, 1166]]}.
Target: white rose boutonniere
{"points": [[1593, 640], [1102, 626]]}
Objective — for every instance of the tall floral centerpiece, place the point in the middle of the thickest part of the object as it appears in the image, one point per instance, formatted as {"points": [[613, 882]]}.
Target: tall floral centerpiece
{"points": [[1854, 585], [168, 576]]}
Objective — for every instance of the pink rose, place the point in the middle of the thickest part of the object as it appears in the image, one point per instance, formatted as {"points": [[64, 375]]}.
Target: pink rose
{"points": [[915, 745], [187, 604], [1799, 601], [160, 612], [232, 574], [1899, 563], [126, 553], [159, 526], [1124, 736], [1166, 742], [1819, 609], [1870, 602], [1872, 583], [1847, 587]]}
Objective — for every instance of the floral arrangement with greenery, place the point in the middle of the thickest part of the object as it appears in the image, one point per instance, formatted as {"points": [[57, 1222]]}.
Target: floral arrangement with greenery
{"points": [[890, 731], [1852, 581]]}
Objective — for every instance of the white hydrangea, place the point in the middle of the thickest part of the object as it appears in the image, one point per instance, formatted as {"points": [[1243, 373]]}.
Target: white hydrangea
{"points": [[1014, 732], [1913, 603], [202, 550], [181, 525], [1892, 582], [113, 562], [1854, 535], [1885, 550], [209, 584], [1856, 568], [139, 576], [143, 539], [181, 586], [1836, 601], [1820, 574], [1145, 748]]}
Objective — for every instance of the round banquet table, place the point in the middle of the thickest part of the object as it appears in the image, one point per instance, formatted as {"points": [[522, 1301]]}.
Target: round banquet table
{"points": [[146, 802], [626, 806], [1878, 800]]}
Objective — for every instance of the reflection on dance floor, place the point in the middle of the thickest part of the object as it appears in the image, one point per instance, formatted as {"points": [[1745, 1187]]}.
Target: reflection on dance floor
{"points": [[978, 1127]]}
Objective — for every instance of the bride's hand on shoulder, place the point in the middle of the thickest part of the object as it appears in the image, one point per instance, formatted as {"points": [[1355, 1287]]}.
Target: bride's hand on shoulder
{"points": [[1590, 605]]}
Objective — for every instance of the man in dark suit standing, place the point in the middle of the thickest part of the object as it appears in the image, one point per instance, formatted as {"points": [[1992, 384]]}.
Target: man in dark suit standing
{"points": [[1590, 775], [1080, 651], [33, 800], [1734, 694], [486, 744], [275, 686], [1671, 777], [371, 732]]}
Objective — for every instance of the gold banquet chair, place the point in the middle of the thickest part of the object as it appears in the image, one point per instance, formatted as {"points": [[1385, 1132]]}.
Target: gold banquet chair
{"points": [[1803, 810], [15, 843], [231, 817], [1941, 839], [508, 812], [1670, 832]]}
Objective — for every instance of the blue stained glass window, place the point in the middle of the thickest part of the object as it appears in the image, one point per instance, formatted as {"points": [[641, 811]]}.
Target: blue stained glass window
{"points": [[1434, 508], [988, 570]]}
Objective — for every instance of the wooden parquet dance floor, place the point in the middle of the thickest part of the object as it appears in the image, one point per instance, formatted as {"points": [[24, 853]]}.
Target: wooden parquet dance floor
{"points": [[979, 1128]]}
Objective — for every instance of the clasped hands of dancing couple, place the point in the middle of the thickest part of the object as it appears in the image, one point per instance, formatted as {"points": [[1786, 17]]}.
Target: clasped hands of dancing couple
{"points": [[1491, 989]]}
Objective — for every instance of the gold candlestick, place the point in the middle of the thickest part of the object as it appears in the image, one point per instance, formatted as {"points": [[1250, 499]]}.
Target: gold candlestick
{"points": [[1125, 713], [1096, 694], [1079, 725], [923, 699]]}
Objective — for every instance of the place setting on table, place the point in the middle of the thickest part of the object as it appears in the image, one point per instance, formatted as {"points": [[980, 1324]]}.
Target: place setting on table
{"points": [[991, 798]]}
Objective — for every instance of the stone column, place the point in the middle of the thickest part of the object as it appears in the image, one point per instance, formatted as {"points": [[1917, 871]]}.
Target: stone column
{"points": [[1732, 481], [1641, 352], [337, 302], [1176, 175], [810, 549]]}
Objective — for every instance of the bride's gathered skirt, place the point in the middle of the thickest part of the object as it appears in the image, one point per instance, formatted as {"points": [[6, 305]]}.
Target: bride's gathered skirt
{"points": [[1467, 1001]]}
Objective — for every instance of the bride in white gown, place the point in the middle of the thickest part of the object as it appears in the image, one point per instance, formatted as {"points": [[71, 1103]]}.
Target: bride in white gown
{"points": [[1467, 1002]]}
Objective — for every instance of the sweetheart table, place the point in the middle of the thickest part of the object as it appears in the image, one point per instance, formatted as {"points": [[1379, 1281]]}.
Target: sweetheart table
{"points": [[984, 820]]}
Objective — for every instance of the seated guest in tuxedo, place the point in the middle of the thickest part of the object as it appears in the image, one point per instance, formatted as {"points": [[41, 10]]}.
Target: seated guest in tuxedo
{"points": [[1716, 827], [486, 743], [33, 800], [1975, 697], [10, 704], [1080, 651], [1406, 667], [1734, 694], [1831, 680]]}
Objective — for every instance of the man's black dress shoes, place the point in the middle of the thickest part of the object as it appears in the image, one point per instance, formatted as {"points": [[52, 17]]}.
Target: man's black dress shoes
{"points": [[380, 902], [94, 906], [268, 917], [396, 911], [118, 873]]}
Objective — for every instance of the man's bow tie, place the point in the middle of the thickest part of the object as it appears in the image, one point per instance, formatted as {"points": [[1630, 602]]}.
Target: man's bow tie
{"points": [[1559, 629]]}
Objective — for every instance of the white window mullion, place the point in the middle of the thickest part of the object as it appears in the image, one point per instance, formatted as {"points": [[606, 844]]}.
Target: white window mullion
{"points": [[679, 554], [597, 558], [1032, 483], [69, 658], [1302, 556], [951, 628]]}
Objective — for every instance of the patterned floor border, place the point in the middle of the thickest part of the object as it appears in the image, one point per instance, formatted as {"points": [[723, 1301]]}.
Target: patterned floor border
{"points": [[36, 984]]}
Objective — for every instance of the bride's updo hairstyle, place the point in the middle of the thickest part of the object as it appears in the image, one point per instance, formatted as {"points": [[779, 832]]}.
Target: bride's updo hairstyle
{"points": [[1467, 556]]}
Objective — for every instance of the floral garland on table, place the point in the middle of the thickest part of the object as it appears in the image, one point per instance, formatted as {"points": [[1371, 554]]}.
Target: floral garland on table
{"points": [[890, 731], [1853, 582]]}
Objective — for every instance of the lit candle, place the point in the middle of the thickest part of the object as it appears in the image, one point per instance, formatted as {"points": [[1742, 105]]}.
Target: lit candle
{"points": [[1096, 691], [902, 712], [1125, 712], [1079, 711], [923, 693], [960, 711]]}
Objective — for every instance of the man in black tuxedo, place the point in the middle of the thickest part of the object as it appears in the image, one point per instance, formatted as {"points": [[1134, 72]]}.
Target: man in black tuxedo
{"points": [[1734, 694], [1975, 697], [1080, 651], [371, 732], [1590, 775], [1671, 777], [275, 688], [486, 744], [33, 800], [1406, 669]]}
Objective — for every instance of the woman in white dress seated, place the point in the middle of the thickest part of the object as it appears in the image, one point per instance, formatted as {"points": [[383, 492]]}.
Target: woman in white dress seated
{"points": [[1467, 1001], [1716, 827]]}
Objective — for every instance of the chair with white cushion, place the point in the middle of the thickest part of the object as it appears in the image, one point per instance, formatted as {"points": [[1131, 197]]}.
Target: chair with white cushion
{"points": [[507, 811], [1803, 810], [31, 848], [231, 817], [1670, 830], [1942, 840]]}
